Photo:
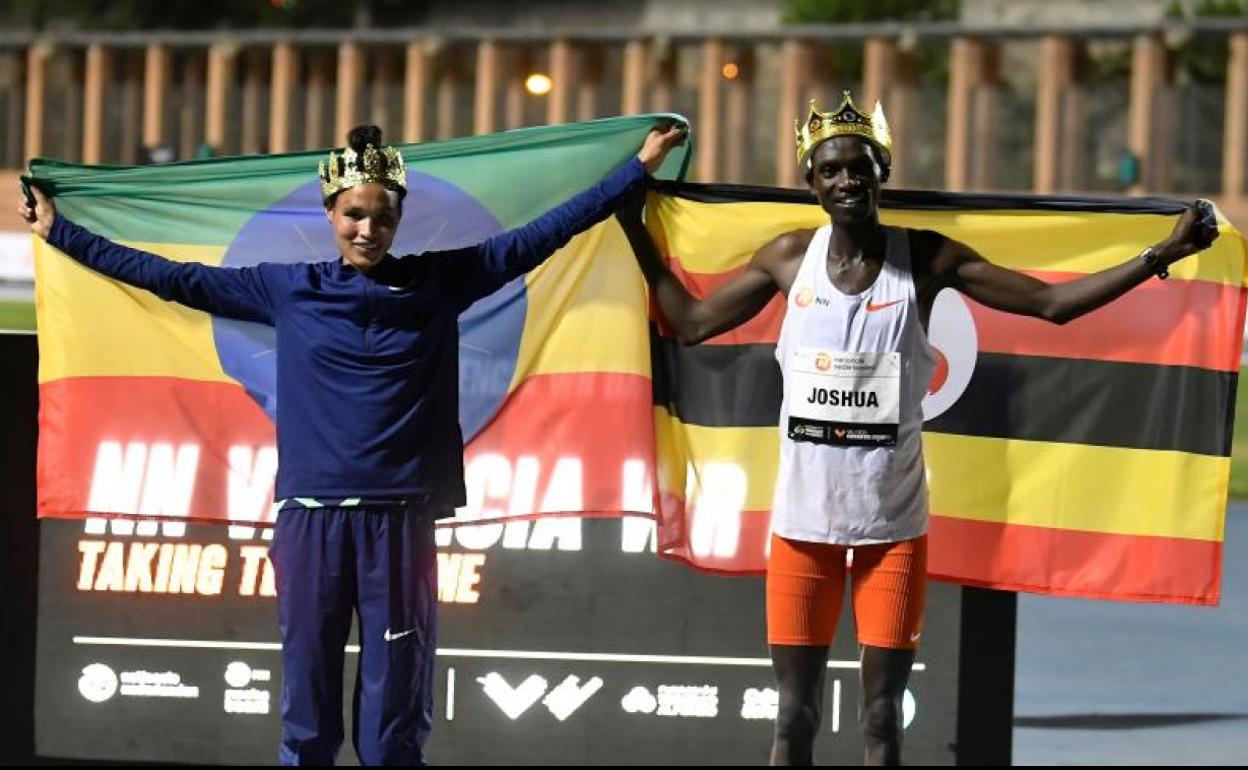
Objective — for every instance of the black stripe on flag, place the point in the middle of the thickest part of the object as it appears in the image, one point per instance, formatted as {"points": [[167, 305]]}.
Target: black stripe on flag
{"points": [[1034, 398], [931, 200]]}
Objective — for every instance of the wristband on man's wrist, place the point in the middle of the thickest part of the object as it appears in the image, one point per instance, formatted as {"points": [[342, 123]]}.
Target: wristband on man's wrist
{"points": [[1155, 263]]}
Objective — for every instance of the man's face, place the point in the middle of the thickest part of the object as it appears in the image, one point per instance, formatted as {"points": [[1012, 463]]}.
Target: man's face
{"points": [[845, 178], [365, 219]]}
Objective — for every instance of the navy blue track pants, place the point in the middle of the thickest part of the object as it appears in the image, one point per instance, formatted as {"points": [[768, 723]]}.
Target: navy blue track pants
{"points": [[379, 563]]}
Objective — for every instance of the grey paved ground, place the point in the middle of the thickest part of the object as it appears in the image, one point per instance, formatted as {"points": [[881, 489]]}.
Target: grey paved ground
{"points": [[1102, 683]]}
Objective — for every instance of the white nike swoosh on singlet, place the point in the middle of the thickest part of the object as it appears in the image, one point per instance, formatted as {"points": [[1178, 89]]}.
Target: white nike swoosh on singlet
{"points": [[389, 637]]}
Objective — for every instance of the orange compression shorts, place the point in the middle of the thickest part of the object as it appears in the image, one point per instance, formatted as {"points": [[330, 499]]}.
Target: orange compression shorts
{"points": [[806, 585]]}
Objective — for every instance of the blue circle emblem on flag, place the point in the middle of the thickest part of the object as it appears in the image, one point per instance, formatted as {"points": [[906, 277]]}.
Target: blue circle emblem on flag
{"points": [[436, 215]]}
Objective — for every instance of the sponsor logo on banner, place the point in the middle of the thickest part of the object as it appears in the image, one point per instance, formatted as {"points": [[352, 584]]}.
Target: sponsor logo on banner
{"points": [[688, 701], [639, 700], [673, 700], [569, 695], [762, 703], [513, 701], [239, 674], [98, 683], [248, 701], [561, 701], [242, 699]]}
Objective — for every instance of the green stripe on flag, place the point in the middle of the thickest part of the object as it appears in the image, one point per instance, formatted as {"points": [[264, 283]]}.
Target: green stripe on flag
{"points": [[514, 174]]}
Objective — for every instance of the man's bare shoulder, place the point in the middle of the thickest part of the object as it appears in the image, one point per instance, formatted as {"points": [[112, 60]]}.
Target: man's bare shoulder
{"points": [[786, 247], [931, 251], [925, 244]]}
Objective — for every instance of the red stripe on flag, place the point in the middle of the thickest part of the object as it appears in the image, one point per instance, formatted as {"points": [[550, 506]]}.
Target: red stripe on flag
{"points": [[599, 420], [1023, 558], [723, 543], [1075, 563], [1172, 323], [77, 414], [764, 327]]}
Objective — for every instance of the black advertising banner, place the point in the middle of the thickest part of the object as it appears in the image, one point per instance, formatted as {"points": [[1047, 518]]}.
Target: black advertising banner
{"points": [[561, 641]]}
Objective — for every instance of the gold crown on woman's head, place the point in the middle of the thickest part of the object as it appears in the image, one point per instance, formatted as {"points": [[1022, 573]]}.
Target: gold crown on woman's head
{"points": [[351, 168], [845, 120]]}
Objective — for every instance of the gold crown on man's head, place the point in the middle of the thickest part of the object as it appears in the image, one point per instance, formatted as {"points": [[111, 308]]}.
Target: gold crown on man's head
{"points": [[845, 120], [350, 169]]}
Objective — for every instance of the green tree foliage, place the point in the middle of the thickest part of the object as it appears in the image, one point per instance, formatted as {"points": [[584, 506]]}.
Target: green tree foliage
{"points": [[197, 14], [1204, 59], [930, 59], [857, 11]]}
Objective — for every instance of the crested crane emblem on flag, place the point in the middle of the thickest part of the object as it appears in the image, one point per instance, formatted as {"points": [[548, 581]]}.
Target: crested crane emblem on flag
{"points": [[955, 343]]}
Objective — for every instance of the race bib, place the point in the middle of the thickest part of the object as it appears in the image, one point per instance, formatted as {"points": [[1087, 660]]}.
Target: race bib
{"points": [[844, 399]]}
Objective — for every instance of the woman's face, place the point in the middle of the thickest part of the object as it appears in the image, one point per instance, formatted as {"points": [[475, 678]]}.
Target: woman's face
{"points": [[365, 219]]}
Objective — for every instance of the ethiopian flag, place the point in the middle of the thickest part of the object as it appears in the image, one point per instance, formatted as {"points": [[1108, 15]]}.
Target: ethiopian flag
{"points": [[1090, 459], [152, 409]]}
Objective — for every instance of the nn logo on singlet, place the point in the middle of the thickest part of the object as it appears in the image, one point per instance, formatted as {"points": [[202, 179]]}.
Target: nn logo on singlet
{"points": [[806, 295]]}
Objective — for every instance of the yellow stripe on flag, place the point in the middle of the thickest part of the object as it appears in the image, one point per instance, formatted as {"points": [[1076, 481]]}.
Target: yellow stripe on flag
{"points": [[1005, 481], [586, 310], [1077, 486], [716, 237], [104, 328], [754, 450]]}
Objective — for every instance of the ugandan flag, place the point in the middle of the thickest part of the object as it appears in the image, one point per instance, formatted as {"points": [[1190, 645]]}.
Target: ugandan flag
{"points": [[152, 409], [1090, 459]]}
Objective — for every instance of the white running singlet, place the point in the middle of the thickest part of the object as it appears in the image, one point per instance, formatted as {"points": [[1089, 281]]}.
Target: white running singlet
{"points": [[856, 369]]}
